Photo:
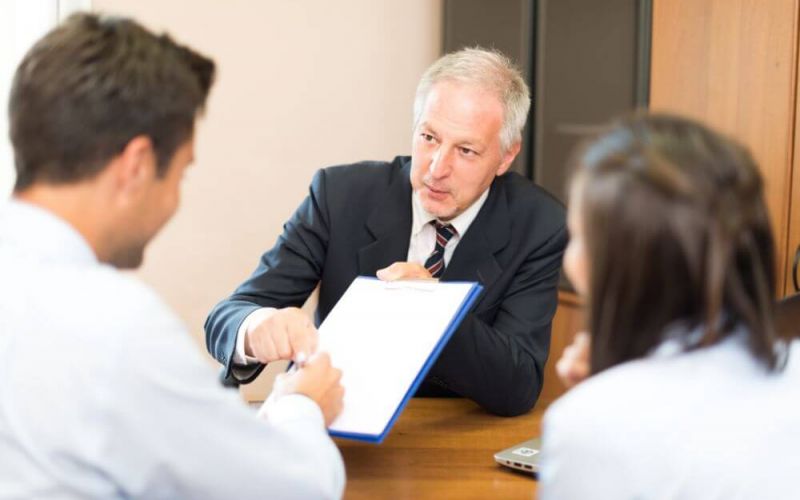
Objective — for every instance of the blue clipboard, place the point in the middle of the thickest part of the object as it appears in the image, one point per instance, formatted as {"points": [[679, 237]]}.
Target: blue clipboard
{"points": [[462, 311]]}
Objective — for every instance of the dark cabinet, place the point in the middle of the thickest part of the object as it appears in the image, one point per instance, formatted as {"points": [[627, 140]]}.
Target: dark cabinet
{"points": [[586, 61]]}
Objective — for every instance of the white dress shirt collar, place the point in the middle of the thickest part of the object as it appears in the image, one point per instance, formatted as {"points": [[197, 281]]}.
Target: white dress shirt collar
{"points": [[421, 217], [42, 233]]}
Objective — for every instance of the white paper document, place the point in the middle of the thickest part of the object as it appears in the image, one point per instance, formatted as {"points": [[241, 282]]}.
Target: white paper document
{"points": [[384, 337]]}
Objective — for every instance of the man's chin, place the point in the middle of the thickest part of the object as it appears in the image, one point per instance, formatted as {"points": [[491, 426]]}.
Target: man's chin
{"points": [[130, 258], [438, 210]]}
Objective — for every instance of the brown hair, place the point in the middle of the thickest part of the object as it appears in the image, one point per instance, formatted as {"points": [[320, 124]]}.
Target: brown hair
{"points": [[90, 86], [677, 234]]}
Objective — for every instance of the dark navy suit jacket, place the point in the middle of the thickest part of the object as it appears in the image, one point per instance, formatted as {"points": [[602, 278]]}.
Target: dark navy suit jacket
{"points": [[357, 219]]}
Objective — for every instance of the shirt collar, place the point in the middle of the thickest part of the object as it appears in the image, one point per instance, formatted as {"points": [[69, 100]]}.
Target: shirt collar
{"points": [[421, 217], [41, 233]]}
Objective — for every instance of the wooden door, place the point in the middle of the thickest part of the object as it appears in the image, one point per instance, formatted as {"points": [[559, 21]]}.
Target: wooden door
{"points": [[732, 64], [792, 263]]}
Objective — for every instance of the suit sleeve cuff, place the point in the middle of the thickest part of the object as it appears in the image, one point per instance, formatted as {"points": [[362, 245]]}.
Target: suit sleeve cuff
{"points": [[257, 316]]}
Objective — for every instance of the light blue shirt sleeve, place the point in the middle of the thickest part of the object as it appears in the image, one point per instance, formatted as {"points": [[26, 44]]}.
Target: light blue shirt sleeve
{"points": [[104, 394], [174, 432]]}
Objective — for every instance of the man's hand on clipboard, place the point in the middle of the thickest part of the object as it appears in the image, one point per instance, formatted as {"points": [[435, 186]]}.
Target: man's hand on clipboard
{"points": [[404, 271]]}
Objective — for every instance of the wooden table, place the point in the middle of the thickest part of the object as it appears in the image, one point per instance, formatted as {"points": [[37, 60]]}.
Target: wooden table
{"points": [[440, 448]]}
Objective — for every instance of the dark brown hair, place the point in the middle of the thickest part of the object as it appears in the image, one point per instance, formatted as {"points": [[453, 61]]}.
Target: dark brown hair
{"points": [[677, 235], [90, 86]]}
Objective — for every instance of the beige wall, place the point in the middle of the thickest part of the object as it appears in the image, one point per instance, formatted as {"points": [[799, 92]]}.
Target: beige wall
{"points": [[302, 84]]}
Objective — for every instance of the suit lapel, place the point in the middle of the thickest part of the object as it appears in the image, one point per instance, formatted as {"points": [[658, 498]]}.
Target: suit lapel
{"points": [[474, 257], [390, 225]]}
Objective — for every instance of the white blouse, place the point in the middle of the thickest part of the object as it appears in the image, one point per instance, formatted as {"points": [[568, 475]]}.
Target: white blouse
{"points": [[708, 424]]}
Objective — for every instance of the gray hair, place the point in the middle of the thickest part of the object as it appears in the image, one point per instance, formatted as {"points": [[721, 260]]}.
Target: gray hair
{"points": [[486, 69]]}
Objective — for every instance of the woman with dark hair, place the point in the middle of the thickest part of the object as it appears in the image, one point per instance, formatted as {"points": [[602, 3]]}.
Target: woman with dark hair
{"points": [[691, 394]]}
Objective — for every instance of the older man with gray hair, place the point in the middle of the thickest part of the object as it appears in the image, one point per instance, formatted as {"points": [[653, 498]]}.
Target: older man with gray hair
{"points": [[451, 211]]}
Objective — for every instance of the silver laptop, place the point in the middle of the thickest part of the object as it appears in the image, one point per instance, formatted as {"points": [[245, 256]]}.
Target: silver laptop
{"points": [[523, 456]]}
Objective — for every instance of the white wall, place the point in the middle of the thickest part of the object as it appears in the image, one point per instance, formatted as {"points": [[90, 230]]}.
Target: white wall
{"points": [[302, 84]]}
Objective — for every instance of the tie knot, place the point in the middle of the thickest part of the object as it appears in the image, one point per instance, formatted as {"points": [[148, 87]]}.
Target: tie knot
{"points": [[445, 231]]}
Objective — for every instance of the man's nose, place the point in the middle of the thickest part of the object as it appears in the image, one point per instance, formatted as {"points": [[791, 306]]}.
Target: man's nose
{"points": [[440, 164]]}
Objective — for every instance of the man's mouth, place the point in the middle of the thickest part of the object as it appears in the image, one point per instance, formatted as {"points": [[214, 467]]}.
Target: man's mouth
{"points": [[436, 191]]}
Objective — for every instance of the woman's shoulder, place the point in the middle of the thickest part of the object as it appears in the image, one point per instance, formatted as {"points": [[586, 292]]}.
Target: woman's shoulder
{"points": [[634, 392]]}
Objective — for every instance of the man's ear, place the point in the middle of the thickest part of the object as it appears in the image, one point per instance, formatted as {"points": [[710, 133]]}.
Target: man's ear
{"points": [[135, 166], [508, 157]]}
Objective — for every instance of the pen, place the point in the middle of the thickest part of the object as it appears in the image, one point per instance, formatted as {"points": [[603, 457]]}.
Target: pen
{"points": [[300, 359]]}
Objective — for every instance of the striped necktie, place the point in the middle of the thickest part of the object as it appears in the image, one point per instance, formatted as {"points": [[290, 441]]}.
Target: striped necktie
{"points": [[435, 263]]}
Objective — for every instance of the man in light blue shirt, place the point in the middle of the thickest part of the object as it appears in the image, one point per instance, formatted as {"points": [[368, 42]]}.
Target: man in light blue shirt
{"points": [[102, 392]]}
